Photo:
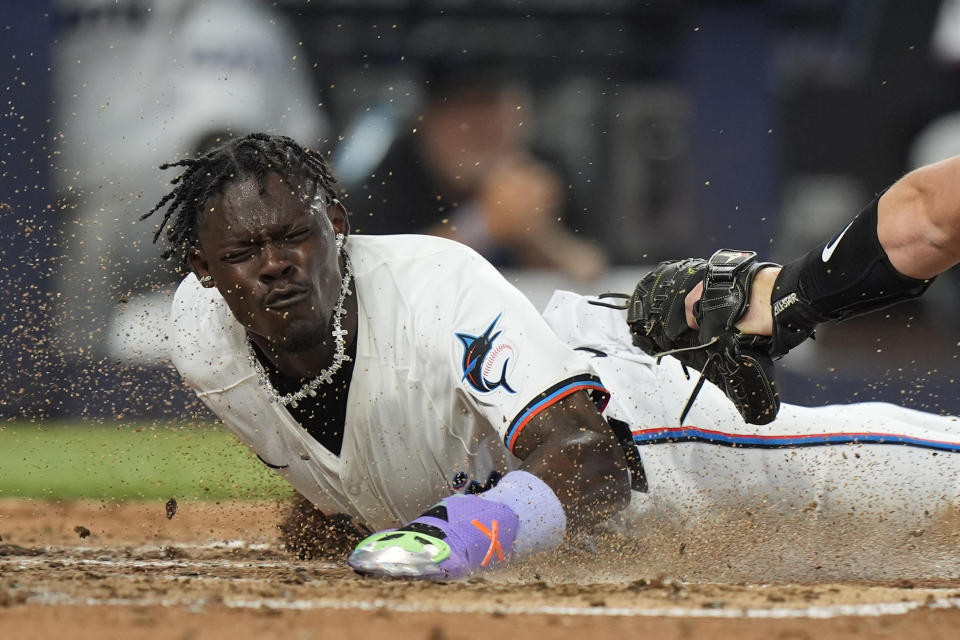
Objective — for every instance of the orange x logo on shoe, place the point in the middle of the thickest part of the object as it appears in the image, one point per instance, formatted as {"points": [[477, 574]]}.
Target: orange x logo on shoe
{"points": [[494, 534]]}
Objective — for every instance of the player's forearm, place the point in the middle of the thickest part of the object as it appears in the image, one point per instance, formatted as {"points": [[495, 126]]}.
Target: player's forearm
{"points": [[574, 451], [587, 472], [919, 220]]}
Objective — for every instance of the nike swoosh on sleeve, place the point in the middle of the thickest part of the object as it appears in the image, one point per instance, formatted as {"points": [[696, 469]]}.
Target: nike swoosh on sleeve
{"points": [[828, 250]]}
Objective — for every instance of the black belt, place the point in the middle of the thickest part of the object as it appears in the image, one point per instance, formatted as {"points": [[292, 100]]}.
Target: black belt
{"points": [[638, 477]]}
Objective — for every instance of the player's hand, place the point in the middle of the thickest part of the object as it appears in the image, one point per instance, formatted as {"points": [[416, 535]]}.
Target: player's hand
{"points": [[460, 535]]}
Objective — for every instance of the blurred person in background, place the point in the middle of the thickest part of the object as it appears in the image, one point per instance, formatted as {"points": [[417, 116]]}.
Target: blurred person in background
{"points": [[465, 170], [136, 81]]}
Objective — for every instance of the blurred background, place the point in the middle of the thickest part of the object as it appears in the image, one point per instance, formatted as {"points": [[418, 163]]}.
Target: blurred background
{"points": [[573, 142]]}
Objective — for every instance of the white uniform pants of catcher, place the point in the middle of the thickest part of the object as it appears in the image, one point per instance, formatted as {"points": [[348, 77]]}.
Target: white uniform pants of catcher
{"points": [[859, 472]]}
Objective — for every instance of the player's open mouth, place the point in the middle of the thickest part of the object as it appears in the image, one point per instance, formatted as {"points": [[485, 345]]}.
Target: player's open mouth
{"points": [[285, 297]]}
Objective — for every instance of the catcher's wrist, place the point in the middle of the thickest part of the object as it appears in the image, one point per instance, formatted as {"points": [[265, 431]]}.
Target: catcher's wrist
{"points": [[758, 320]]}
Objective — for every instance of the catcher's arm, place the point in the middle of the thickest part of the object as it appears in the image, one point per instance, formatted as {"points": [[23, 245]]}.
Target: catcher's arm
{"points": [[890, 253], [574, 475], [917, 228]]}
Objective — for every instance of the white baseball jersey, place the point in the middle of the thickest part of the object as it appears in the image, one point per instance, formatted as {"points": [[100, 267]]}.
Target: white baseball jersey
{"points": [[451, 363]]}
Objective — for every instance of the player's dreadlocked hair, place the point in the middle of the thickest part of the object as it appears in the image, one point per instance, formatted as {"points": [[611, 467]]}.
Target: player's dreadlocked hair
{"points": [[206, 176]]}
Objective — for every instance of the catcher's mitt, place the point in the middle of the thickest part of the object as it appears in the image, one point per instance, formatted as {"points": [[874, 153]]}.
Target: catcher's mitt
{"points": [[739, 364]]}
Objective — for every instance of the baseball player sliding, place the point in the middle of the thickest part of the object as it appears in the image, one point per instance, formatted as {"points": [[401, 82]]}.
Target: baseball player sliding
{"points": [[401, 380]]}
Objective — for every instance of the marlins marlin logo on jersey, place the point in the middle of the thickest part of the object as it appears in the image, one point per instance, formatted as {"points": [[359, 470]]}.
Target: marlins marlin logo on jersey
{"points": [[485, 361]]}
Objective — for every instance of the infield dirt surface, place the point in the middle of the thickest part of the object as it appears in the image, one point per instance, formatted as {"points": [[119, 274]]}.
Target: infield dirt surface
{"points": [[217, 570]]}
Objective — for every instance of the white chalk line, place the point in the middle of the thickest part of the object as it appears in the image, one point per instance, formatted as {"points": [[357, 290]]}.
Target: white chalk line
{"points": [[32, 562], [378, 604], [819, 612], [186, 546], [381, 604], [109, 557]]}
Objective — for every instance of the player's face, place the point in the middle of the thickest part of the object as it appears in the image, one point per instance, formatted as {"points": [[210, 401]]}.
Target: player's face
{"points": [[274, 260]]}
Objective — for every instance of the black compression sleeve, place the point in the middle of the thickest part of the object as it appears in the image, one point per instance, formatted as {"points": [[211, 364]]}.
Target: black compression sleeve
{"points": [[847, 276]]}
